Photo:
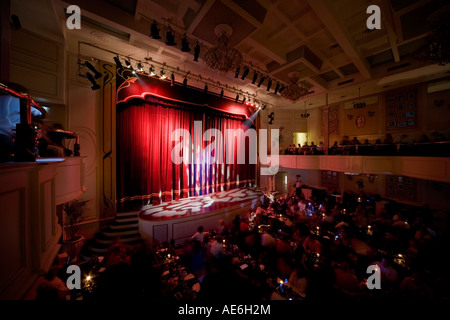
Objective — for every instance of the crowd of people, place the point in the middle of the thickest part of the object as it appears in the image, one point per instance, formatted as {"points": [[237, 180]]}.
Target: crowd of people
{"points": [[435, 145], [320, 247]]}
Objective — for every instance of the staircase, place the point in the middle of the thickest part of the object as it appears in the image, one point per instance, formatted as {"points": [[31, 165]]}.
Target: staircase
{"points": [[124, 227]]}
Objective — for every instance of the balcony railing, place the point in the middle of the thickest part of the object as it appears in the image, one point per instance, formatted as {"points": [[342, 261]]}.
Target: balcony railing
{"points": [[430, 149], [426, 168]]}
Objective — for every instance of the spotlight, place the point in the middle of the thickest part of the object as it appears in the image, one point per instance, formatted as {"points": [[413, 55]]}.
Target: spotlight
{"points": [[152, 70], [92, 68], [221, 94], [154, 30], [282, 88], [243, 100], [196, 52], [95, 85], [236, 74], [237, 98], [277, 87], [15, 23], [245, 73], [261, 81], [140, 67], [172, 79], [263, 107], [162, 74], [128, 63], [255, 76], [185, 81], [185, 44], [269, 84], [118, 63], [206, 88], [170, 38]]}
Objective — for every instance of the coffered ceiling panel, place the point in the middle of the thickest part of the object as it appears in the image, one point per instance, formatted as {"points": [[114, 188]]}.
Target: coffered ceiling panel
{"points": [[219, 13], [324, 42]]}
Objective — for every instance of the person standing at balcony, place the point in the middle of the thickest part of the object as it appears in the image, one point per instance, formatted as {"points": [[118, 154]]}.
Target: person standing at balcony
{"points": [[320, 148], [312, 148], [305, 148]]}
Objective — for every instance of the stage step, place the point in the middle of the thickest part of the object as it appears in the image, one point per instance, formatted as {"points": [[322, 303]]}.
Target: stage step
{"points": [[127, 219], [125, 239], [122, 225], [119, 232], [127, 214]]}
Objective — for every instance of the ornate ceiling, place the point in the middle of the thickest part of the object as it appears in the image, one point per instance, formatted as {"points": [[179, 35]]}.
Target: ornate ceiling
{"points": [[325, 43]]}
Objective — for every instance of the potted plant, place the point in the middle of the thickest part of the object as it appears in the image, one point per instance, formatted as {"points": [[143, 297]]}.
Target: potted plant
{"points": [[73, 241]]}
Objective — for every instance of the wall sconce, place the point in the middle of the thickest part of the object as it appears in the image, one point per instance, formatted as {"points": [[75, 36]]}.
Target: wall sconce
{"points": [[350, 116], [371, 113]]}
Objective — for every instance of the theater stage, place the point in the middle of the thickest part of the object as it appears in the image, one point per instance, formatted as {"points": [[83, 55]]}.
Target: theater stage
{"points": [[179, 219]]}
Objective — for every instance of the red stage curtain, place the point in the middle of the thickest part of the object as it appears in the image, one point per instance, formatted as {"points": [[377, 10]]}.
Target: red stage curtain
{"points": [[146, 173]]}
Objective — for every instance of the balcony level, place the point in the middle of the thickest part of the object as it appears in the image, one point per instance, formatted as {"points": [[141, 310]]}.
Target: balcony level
{"points": [[426, 168]]}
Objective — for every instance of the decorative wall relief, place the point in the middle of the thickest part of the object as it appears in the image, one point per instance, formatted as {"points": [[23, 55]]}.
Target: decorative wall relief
{"points": [[333, 120]]}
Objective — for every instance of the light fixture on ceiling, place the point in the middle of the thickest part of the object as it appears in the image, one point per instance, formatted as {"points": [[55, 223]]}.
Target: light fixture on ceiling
{"points": [[206, 88], [162, 73], [154, 31], [255, 76], [261, 81], [305, 114], [95, 85], [118, 63], [140, 68], [294, 90], [185, 81], [221, 94], [222, 57], [269, 84], [245, 73], [196, 52], [236, 73], [237, 98], [277, 87], [170, 38], [15, 23], [151, 69], [128, 63], [185, 44], [243, 100], [97, 74], [172, 79]]}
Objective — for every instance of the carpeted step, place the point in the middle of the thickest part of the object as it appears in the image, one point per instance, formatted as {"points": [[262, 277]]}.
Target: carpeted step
{"points": [[127, 214], [119, 232], [103, 239], [122, 225], [127, 219]]}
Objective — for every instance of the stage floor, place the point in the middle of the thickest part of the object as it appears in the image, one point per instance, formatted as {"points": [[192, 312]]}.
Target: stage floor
{"points": [[207, 203]]}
